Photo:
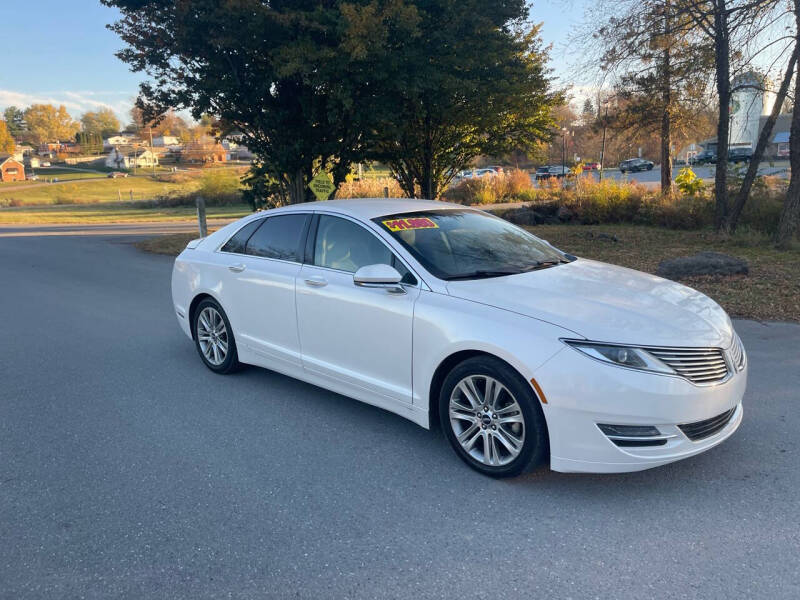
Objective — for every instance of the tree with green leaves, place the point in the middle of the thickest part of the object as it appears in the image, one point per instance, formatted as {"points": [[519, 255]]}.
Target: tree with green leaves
{"points": [[15, 121], [471, 81], [102, 122], [7, 144], [91, 142], [287, 75]]}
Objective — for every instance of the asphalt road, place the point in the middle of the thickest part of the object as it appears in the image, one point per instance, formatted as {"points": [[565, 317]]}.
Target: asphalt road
{"points": [[705, 172], [128, 470]]}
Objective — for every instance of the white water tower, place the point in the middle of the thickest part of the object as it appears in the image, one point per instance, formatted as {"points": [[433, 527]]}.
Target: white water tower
{"points": [[750, 100]]}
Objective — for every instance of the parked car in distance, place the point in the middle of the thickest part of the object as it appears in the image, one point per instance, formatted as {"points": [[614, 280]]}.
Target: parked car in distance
{"points": [[485, 171], [542, 173], [592, 166], [705, 157], [558, 171], [633, 165], [45, 164], [117, 174], [740, 155], [522, 353]]}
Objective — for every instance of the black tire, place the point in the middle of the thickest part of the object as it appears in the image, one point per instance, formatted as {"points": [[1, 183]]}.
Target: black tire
{"points": [[231, 362], [536, 444]]}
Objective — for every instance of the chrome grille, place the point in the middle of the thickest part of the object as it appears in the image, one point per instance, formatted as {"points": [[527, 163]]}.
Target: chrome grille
{"points": [[698, 365], [736, 353]]}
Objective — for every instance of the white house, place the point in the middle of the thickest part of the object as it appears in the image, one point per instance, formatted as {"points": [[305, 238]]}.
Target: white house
{"points": [[127, 158], [166, 140]]}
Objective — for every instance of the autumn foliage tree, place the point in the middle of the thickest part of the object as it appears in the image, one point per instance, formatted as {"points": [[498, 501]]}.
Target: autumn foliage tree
{"points": [[7, 144], [102, 122], [46, 123]]}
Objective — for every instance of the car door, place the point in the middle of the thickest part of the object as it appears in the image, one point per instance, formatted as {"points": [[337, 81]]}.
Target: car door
{"points": [[260, 294], [357, 336]]}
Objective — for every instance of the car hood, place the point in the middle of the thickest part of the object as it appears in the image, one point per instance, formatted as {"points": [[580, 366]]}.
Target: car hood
{"points": [[606, 303]]}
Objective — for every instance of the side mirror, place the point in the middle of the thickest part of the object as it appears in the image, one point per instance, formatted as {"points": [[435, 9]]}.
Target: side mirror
{"points": [[384, 276]]}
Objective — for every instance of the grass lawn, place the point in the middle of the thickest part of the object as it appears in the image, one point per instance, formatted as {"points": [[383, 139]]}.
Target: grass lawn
{"points": [[770, 292], [96, 190], [118, 212]]}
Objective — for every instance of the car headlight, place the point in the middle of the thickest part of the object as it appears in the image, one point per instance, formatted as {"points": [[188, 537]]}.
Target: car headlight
{"points": [[623, 356]]}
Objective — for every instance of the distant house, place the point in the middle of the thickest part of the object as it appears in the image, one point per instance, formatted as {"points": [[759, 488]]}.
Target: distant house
{"points": [[25, 149], [204, 152], [121, 139], [11, 169], [165, 140], [128, 158], [236, 151], [31, 161]]}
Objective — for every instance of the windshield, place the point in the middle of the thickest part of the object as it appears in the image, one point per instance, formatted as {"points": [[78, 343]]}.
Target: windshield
{"points": [[467, 244]]}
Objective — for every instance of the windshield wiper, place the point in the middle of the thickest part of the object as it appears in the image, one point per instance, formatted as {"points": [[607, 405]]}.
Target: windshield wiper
{"points": [[543, 264], [482, 273]]}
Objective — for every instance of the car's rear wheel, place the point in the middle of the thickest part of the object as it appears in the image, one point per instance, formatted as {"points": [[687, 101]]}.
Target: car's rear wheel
{"points": [[213, 337], [492, 418]]}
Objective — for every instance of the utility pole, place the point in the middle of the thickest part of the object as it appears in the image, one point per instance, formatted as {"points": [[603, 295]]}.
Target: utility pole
{"points": [[563, 150], [603, 147], [152, 154]]}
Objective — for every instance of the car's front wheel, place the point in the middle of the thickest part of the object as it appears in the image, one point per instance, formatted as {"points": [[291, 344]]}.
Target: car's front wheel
{"points": [[213, 337], [492, 418]]}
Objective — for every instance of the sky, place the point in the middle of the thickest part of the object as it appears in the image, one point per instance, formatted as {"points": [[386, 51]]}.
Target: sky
{"points": [[62, 53]]}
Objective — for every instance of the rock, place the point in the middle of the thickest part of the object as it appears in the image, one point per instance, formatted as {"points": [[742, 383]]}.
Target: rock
{"points": [[703, 263], [602, 236], [564, 214]]}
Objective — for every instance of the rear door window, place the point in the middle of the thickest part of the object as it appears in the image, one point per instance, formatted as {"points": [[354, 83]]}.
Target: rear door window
{"points": [[239, 240], [278, 237]]}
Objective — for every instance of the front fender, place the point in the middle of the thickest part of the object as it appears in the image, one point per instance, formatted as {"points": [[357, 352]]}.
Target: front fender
{"points": [[445, 325]]}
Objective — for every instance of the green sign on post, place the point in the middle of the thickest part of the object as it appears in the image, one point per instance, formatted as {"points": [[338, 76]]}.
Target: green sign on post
{"points": [[322, 186]]}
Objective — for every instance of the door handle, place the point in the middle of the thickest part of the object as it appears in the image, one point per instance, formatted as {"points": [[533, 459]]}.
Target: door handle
{"points": [[316, 281], [237, 268]]}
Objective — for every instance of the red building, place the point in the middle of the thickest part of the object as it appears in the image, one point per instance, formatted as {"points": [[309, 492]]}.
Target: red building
{"points": [[10, 169]]}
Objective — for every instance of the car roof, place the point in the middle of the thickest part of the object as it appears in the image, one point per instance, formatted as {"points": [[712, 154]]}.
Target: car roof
{"points": [[369, 208]]}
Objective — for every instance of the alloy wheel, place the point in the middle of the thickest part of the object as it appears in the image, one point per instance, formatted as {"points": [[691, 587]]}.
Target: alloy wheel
{"points": [[212, 335], [487, 420]]}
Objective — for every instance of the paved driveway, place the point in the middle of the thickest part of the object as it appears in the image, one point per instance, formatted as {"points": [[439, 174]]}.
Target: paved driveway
{"points": [[128, 470]]}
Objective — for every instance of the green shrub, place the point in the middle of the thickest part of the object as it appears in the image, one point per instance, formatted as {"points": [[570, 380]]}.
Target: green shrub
{"points": [[688, 182], [221, 186]]}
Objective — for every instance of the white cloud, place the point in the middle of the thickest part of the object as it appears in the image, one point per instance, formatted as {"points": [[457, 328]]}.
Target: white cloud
{"points": [[76, 102]]}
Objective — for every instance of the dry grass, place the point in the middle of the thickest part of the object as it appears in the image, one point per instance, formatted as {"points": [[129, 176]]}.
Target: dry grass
{"points": [[370, 188]]}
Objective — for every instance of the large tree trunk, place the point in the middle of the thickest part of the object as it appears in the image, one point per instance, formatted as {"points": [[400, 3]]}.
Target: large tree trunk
{"points": [[722, 63], [666, 100], [790, 217], [763, 140], [666, 154], [297, 187]]}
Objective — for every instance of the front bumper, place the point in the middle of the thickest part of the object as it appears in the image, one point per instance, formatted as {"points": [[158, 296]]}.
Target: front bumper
{"points": [[581, 393]]}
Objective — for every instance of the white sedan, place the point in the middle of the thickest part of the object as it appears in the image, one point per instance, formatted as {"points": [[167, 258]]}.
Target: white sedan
{"points": [[443, 314]]}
